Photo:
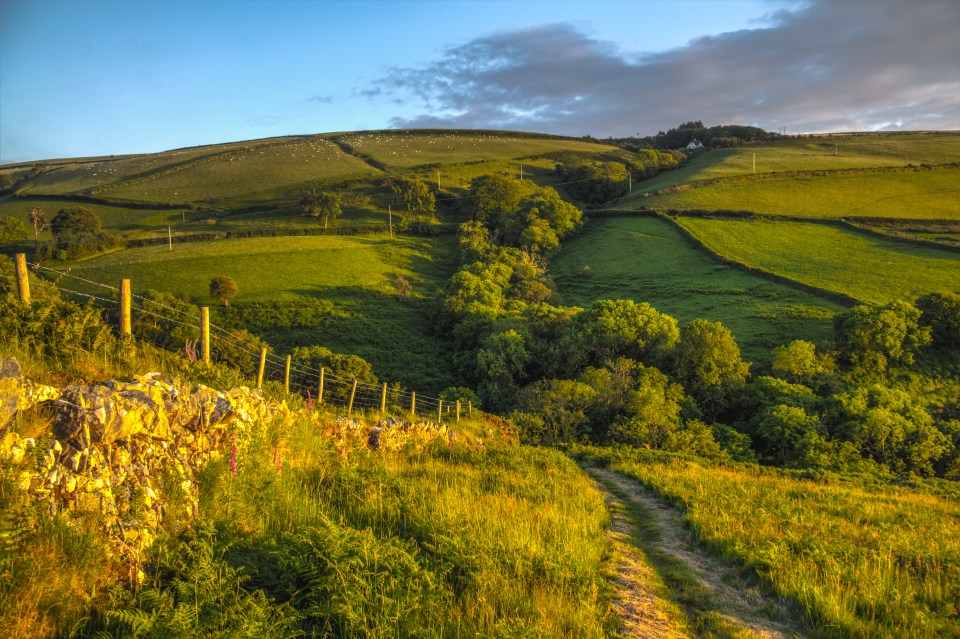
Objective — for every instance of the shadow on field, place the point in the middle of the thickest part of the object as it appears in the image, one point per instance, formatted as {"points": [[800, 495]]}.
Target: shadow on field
{"points": [[398, 337]]}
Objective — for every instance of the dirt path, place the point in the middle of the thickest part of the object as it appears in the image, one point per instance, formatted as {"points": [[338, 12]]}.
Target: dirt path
{"points": [[641, 610], [743, 607]]}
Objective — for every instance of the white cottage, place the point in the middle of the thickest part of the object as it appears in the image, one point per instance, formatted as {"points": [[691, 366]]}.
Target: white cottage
{"points": [[694, 144]]}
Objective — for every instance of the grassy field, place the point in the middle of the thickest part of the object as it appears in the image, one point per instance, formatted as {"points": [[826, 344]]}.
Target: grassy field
{"points": [[327, 290], [67, 177], [247, 175], [923, 194], [858, 561], [811, 154], [645, 259], [410, 148], [868, 268]]}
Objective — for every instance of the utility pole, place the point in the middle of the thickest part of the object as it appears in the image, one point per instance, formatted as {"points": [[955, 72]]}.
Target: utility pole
{"points": [[630, 180], [754, 163], [521, 173], [390, 214], [170, 238], [438, 181]]}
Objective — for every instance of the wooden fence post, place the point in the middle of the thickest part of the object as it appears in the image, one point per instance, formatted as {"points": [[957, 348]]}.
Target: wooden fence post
{"points": [[263, 366], [353, 393], [440, 411], [413, 405], [320, 391], [469, 409], [458, 410], [383, 400], [23, 282], [205, 333], [286, 376], [125, 330]]}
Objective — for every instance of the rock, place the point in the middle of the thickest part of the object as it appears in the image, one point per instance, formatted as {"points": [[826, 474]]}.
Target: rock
{"points": [[11, 388]]}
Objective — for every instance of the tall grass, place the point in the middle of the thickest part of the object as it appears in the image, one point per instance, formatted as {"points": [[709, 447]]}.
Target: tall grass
{"points": [[478, 537], [870, 562]]}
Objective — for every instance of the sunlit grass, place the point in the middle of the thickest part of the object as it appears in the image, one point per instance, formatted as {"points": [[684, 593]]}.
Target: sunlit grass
{"points": [[859, 562], [865, 267]]}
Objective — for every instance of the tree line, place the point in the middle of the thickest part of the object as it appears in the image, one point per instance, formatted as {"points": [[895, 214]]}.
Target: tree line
{"points": [[882, 398]]}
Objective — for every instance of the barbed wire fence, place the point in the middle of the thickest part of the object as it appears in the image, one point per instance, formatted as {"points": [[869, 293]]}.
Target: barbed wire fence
{"points": [[208, 342]]}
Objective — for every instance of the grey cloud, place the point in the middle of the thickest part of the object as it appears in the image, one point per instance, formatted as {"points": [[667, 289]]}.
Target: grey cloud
{"points": [[832, 65]]}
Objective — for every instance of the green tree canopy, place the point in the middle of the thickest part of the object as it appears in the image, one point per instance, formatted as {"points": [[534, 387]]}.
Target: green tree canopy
{"points": [[415, 195], [872, 337], [12, 229], [941, 313], [492, 194], [77, 220], [652, 410], [324, 206], [223, 289], [622, 328], [707, 359]]}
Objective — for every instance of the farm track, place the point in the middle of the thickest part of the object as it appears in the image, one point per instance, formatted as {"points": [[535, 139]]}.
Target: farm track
{"points": [[741, 605]]}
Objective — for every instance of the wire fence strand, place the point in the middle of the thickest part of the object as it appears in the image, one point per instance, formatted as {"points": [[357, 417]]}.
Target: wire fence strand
{"points": [[301, 377]]}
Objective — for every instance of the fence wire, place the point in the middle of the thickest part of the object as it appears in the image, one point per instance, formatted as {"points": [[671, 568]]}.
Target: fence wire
{"points": [[303, 379]]}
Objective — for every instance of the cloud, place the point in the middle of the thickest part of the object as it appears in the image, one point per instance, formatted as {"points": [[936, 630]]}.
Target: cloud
{"points": [[828, 66]]}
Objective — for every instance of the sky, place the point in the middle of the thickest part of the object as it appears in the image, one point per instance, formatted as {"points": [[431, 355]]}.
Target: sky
{"points": [[109, 77]]}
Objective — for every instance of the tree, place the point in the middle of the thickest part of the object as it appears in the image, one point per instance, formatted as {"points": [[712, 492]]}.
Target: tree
{"points": [[502, 363], [223, 289], [12, 229], [74, 221], [622, 328], [941, 312], [798, 362], [708, 360], [872, 337], [415, 195], [653, 410], [562, 406], [39, 220], [492, 194], [401, 285], [324, 205]]}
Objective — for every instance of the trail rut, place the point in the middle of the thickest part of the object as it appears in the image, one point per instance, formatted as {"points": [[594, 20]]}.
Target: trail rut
{"points": [[746, 609]]}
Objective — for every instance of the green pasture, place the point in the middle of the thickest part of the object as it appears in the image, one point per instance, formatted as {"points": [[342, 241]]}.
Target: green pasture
{"points": [[331, 291], [89, 173], [249, 174], [859, 562], [411, 148], [813, 154], [919, 194], [645, 259], [865, 267]]}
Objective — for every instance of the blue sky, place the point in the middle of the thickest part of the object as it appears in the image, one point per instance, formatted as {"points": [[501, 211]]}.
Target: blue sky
{"points": [[83, 78]]}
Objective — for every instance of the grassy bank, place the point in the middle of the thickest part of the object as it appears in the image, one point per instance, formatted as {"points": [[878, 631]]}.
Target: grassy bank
{"points": [[858, 561]]}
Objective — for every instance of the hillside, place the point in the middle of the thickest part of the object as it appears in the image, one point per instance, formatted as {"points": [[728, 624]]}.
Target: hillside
{"points": [[696, 401]]}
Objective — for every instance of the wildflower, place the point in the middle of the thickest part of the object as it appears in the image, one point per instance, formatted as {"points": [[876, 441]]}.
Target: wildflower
{"points": [[278, 459], [309, 402], [190, 348]]}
